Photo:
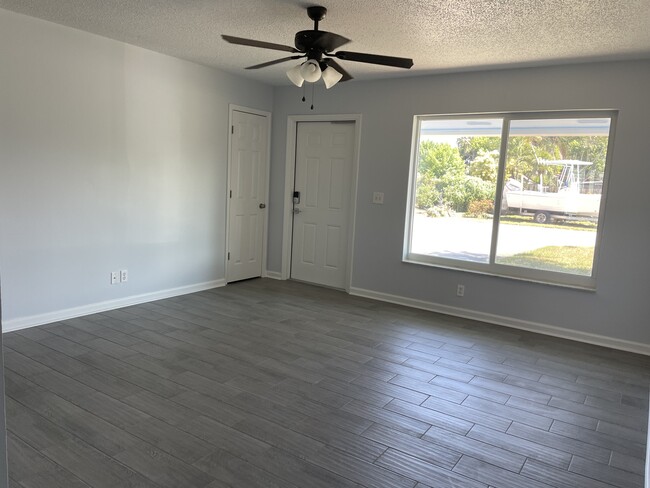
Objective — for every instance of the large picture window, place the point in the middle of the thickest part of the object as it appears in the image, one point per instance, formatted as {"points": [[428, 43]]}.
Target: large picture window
{"points": [[518, 195]]}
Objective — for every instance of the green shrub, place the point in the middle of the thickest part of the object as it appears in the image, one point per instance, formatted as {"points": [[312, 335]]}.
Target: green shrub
{"points": [[480, 209], [459, 192], [427, 195]]}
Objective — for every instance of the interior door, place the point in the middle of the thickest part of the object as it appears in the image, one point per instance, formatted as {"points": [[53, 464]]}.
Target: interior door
{"points": [[247, 191], [322, 196]]}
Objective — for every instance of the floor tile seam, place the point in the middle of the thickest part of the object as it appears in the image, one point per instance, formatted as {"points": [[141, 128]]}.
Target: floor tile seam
{"points": [[550, 387], [416, 438], [509, 449], [479, 441], [350, 398], [508, 417], [629, 409], [555, 434], [458, 416], [595, 391], [373, 465], [610, 421], [554, 419], [607, 467], [140, 437], [643, 434], [106, 326], [44, 455], [247, 461], [109, 421], [613, 439], [428, 395], [572, 473], [517, 473], [375, 335], [361, 438], [430, 409], [86, 442]]}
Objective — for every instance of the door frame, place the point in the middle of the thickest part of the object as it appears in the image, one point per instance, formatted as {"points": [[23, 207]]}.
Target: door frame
{"points": [[267, 115], [289, 180]]}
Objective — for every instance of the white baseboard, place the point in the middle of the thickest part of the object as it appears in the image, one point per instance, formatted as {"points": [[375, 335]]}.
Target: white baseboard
{"points": [[540, 328], [71, 313], [274, 275], [647, 456]]}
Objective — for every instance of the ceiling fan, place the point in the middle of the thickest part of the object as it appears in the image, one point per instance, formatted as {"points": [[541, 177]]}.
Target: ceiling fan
{"points": [[318, 46]]}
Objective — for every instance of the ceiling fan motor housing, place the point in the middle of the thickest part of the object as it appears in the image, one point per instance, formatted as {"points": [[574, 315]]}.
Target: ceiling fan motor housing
{"points": [[309, 42]]}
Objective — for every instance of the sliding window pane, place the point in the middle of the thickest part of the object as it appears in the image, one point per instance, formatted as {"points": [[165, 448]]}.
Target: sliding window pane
{"points": [[552, 193], [457, 170]]}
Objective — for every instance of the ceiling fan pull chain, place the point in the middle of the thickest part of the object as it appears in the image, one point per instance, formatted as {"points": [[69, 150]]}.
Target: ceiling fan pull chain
{"points": [[304, 88], [312, 95]]}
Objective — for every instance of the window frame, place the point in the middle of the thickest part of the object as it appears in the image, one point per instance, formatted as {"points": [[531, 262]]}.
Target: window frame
{"points": [[492, 268]]}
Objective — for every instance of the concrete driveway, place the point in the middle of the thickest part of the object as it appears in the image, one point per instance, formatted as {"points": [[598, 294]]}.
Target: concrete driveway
{"points": [[469, 239]]}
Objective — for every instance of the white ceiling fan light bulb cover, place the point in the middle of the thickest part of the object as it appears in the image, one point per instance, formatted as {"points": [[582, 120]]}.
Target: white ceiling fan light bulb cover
{"points": [[294, 75], [310, 71], [331, 77]]}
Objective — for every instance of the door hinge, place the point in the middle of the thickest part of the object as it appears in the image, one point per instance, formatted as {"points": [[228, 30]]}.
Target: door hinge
{"points": [[230, 193], [228, 256], [232, 129]]}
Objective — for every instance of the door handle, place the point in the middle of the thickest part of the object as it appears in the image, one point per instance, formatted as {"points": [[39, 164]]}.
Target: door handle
{"points": [[296, 211], [262, 205]]}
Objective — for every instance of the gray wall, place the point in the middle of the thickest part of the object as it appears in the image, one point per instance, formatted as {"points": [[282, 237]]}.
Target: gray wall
{"points": [[111, 157], [619, 308]]}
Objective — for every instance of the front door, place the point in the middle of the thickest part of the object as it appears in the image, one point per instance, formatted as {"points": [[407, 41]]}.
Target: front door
{"points": [[322, 202], [247, 188]]}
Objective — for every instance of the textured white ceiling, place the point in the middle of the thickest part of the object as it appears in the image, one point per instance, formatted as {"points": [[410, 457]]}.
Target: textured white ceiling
{"points": [[440, 35]]}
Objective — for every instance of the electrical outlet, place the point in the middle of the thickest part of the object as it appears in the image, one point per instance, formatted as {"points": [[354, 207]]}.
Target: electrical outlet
{"points": [[124, 276], [115, 277], [378, 198], [460, 291]]}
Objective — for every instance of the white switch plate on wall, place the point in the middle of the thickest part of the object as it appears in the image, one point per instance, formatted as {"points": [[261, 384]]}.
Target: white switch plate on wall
{"points": [[378, 198], [115, 277]]}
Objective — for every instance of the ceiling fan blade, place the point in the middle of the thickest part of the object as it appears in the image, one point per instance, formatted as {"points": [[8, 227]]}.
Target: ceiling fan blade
{"points": [[374, 59], [332, 62], [265, 45], [328, 41], [276, 61]]}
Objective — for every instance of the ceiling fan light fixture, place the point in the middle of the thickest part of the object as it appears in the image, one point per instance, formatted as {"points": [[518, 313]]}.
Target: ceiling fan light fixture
{"points": [[294, 75], [331, 77], [310, 71]]}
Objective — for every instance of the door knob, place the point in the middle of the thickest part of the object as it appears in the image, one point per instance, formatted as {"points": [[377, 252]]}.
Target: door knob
{"points": [[262, 205]]}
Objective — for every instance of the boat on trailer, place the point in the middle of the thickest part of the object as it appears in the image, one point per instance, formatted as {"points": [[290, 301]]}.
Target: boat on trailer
{"points": [[570, 202]]}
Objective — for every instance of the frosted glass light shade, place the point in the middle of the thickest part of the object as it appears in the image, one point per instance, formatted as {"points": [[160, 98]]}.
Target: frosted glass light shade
{"points": [[294, 75], [310, 71], [331, 77]]}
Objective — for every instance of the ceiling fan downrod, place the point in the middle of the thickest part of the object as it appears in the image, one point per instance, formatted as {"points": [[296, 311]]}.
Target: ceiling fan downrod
{"points": [[316, 14]]}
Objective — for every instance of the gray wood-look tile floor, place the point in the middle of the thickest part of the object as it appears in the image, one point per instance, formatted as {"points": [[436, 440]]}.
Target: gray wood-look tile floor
{"points": [[280, 384]]}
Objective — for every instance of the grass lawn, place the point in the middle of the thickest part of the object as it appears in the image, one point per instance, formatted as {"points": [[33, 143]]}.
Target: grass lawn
{"points": [[566, 259]]}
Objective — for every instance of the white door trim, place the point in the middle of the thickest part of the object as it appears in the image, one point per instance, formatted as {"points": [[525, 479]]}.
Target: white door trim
{"points": [[289, 172], [238, 108]]}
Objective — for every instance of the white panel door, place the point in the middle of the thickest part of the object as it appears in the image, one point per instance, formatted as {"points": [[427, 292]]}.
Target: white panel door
{"points": [[324, 152], [247, 191]]}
